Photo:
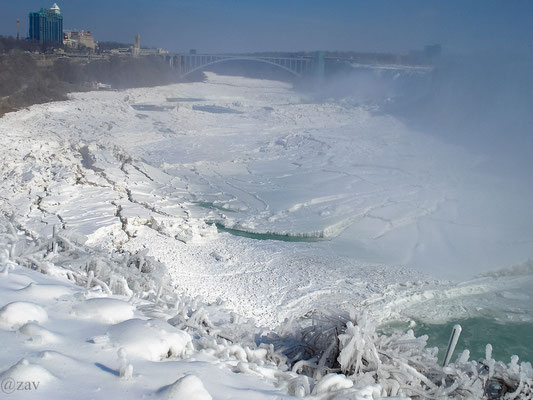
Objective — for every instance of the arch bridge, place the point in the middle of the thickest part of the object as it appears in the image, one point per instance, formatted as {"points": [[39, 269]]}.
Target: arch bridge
{"points": [[188, 63]]}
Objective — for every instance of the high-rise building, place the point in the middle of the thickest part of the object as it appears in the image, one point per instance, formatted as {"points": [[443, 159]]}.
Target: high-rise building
{"points": [[46, 26]]}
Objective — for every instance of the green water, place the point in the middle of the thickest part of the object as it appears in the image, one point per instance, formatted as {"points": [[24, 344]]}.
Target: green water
{"points": [[252, 235], [267, 236], [506, 339]]}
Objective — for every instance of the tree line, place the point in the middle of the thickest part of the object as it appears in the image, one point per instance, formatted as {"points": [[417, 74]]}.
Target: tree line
{"points": [[25, 79]]}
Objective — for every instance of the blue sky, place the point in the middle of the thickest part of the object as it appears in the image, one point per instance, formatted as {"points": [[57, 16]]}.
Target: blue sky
{"points": [[290, 25]]}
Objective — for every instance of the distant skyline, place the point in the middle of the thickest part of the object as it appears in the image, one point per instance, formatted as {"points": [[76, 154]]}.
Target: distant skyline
{"points": [[292, 25]]}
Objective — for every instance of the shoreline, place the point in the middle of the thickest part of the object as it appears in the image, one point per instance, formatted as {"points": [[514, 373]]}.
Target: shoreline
{"points": [[26, 80]]}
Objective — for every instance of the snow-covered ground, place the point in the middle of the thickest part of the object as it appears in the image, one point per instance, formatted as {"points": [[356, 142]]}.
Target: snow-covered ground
{"points": [[63, 341], [80, 322], [374, 195], [358, 209]]}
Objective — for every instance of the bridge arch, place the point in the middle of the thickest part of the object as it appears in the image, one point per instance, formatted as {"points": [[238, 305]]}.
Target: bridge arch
{"points": [[226, 59]]}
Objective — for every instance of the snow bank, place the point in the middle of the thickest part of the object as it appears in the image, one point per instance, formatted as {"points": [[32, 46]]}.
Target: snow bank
{"points": [[39, 335], [152, 340], [105, 310], [186, 388], [17, 313], [24, 371], [337, 356], [44, 292]]}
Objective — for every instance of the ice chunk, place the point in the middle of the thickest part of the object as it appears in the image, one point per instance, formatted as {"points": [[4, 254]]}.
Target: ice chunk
{"points": [[332, 382], [193, 230]]}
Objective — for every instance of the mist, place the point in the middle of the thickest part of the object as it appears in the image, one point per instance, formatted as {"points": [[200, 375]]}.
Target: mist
{"points": [[480, 101]]}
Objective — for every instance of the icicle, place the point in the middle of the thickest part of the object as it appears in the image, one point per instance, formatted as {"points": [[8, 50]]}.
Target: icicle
{"points": [[488, 352], [456, 332], [464, 357], [158, 296], [125, 369], [90, 279], [514, 368], [489, 362], [299, 386], [54, 239]]}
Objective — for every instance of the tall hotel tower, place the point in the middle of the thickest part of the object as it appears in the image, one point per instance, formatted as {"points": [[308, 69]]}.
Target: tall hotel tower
{"points": [[46, 26]]}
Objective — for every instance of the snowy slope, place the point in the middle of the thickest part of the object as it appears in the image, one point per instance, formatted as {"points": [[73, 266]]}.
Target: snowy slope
{"points": [[71, 342], [64, 340]]}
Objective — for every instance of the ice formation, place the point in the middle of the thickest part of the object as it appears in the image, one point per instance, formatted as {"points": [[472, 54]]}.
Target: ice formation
{"points": [[114, 275], [334, 356]]}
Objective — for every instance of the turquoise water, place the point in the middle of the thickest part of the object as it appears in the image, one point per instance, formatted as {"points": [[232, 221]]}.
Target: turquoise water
{"points": [[252, 235], [506, 339], [267, 236]]}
